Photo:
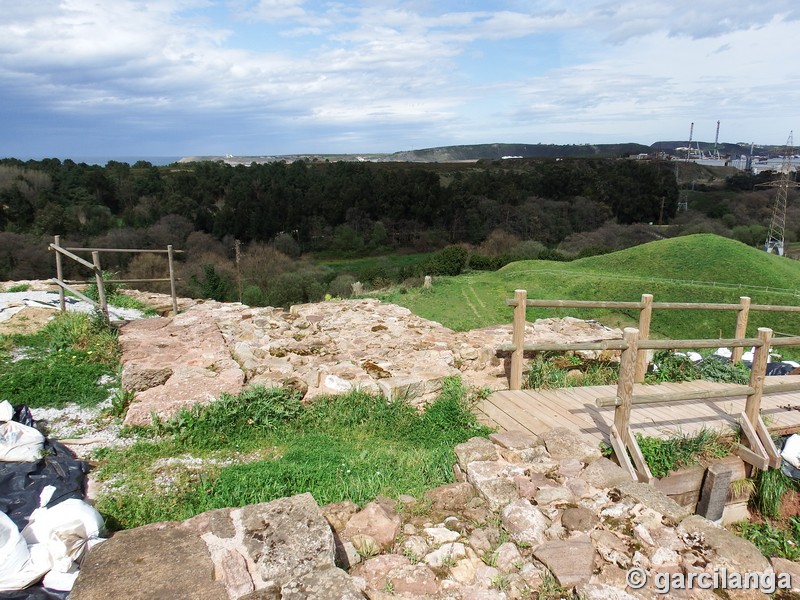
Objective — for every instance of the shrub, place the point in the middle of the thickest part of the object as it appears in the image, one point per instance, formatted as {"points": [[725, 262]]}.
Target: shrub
{"points": [[342, 286], [449, 261], [252, 295]]}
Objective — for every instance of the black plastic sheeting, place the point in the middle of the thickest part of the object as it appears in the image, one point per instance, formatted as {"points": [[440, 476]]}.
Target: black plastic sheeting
{"points": [[779, 368], [21, 483]]}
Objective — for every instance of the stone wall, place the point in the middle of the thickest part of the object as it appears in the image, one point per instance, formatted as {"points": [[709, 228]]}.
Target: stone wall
{"points": [[328, 347], [528, 508]]}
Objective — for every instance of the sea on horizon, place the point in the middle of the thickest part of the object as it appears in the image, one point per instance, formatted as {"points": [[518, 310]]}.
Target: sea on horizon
{"points": [[157, 161]]}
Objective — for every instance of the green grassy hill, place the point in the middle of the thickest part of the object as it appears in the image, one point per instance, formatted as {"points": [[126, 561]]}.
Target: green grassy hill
{"points": [[697, 268]]}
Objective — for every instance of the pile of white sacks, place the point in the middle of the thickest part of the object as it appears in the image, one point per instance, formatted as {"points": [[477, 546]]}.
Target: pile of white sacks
{"points": [[51, 546]]}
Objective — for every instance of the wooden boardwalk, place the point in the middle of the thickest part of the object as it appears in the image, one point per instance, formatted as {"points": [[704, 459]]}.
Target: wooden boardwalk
{"points": [[537, 411]]}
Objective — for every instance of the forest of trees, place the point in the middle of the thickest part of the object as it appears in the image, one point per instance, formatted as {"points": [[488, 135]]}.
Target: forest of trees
{"points": [[279, 212]]}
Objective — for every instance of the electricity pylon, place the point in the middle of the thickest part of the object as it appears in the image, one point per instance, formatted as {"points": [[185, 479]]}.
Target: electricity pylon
{"points": [[777, 225]]}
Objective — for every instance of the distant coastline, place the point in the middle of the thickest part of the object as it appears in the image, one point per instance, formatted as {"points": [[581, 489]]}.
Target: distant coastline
{"points": [[157, 161]]}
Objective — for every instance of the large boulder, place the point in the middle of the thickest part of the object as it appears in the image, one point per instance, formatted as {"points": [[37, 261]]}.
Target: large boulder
{"points": [[281, 549]]}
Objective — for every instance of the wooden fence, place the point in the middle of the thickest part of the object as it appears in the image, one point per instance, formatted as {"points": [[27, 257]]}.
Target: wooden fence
{"points": [[97, 271], [759, 450], [645, 307]]}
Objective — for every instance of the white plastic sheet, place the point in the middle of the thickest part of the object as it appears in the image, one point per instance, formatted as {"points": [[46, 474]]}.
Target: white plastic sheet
{"points": [[20, 443], [20, 566], [791, 451]]}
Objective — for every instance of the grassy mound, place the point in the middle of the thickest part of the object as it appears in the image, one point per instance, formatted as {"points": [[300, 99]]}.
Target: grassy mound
{"points": [[697, 268]]}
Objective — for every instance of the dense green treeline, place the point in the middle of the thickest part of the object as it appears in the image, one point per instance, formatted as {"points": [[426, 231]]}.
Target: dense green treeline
{"points": [[334, 205], [278, 215]]}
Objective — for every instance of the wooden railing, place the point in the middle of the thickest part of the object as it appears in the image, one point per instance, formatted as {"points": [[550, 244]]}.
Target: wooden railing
{"points": [[645, 307], [97, 271], [758, 450]]}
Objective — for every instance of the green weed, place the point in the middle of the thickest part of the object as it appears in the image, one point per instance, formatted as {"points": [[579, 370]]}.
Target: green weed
{"points": [[22, 287], [780, 539], [549, 370], [663, 456], [351, 446], [770, 486], [59, 364]]}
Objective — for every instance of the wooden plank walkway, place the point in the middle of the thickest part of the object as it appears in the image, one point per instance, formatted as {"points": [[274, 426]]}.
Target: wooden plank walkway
{"points": [[537, 411]]}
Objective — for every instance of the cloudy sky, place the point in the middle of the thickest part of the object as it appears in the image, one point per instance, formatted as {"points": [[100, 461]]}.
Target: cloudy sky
{"points": [[252, 77]]}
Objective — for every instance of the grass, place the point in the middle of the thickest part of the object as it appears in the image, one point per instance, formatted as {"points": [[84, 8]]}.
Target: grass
{"points": [[59, 364], [265, 444], [21, 287], [665, 455], [770, 486], [696, 268], [116, 297], [548, 371], [781, 539]]}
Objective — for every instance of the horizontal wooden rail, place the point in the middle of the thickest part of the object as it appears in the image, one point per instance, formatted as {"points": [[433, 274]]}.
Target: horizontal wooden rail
{"points": [[695, 306], [785, 341], [643, 344], [152, 251], [124, 280], [604, 345], [729, 390], [577, 304], [688, 344], [772, 308]]}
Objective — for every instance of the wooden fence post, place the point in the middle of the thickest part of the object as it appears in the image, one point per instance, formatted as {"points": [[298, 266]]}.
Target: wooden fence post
{"points": [[642, 356], [59, 274], [758, 371], [98, 277], [518, 339], [741, 327], [170, 259], [627, 370]]}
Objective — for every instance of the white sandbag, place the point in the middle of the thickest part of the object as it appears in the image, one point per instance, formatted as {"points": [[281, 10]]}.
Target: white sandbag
{"points": [[791, 451], [20, 443], [65, 529], [19, 567], [61, 582], [6, 411]]}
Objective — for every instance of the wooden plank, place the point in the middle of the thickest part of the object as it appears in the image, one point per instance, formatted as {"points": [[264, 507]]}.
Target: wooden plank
{"points": [[74, 291], [642, 470], [519, 415], [621, 453], [750, 457], [681, 482], [775, 460], [694, 306], [501, 420], [755, 454], [74, 257], [536, 408]]}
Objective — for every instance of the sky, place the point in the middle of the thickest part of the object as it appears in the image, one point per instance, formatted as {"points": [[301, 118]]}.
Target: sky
{"points": [[262, 77]]}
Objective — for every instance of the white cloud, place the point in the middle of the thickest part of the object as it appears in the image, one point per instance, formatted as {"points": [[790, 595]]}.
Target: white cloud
{"points": [[440, 70]]}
